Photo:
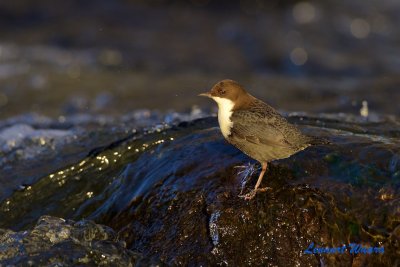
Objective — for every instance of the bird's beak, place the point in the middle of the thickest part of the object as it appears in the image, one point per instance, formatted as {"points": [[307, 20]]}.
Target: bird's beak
{"points": [[205, 94]]}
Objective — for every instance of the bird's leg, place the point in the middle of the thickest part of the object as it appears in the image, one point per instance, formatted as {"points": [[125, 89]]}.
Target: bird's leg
{"points": [[263, 170], [253, 193]]}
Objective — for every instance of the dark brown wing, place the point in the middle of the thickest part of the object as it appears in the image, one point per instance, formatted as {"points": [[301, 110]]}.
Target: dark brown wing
{"points": [[261, 124]]}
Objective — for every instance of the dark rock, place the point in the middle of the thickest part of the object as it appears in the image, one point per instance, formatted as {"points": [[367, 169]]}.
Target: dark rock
{"points": [[172, 194], [56, 242]]}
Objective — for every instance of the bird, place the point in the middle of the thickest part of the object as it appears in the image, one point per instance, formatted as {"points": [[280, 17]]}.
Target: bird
{"points": [[255, 128]]}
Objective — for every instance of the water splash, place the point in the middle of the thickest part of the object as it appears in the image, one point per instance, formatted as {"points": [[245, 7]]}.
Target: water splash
{"points": [[214, 230], [245, 174]]}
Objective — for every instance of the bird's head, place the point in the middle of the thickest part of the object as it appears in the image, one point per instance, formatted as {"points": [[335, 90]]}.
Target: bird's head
{"points": [[226, 90]]}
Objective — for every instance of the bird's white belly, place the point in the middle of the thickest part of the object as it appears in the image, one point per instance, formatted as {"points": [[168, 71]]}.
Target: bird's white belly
{"points": [[225, 107]]}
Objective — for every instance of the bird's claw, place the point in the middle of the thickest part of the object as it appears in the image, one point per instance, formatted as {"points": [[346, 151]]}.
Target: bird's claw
{"points": [[250, 195], [263, 189], [253, 193]]}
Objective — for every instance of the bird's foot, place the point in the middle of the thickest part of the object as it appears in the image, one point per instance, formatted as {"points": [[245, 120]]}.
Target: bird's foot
{"points": [[253, 193]]}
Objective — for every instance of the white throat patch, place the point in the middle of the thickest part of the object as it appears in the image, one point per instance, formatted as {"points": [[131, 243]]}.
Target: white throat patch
{"points": [[225, 107]]}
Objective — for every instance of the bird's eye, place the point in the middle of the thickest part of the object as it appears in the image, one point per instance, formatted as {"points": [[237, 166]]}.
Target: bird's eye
{"points": [[222, 92]]}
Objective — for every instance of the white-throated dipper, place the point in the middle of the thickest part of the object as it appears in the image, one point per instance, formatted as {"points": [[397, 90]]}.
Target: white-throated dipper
{"points": [[256, 128]]}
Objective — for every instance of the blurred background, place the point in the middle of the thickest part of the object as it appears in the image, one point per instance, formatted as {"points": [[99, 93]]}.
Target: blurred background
{"points": [[112, 57]]}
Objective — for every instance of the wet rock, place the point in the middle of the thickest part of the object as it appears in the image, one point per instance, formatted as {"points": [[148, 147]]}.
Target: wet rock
{"points": [[172, 194], [57, 242], [31, 146], [193, 216]]}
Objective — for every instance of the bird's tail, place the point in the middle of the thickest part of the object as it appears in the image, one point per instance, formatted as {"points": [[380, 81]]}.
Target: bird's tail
{"points": [[319, 141]]}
